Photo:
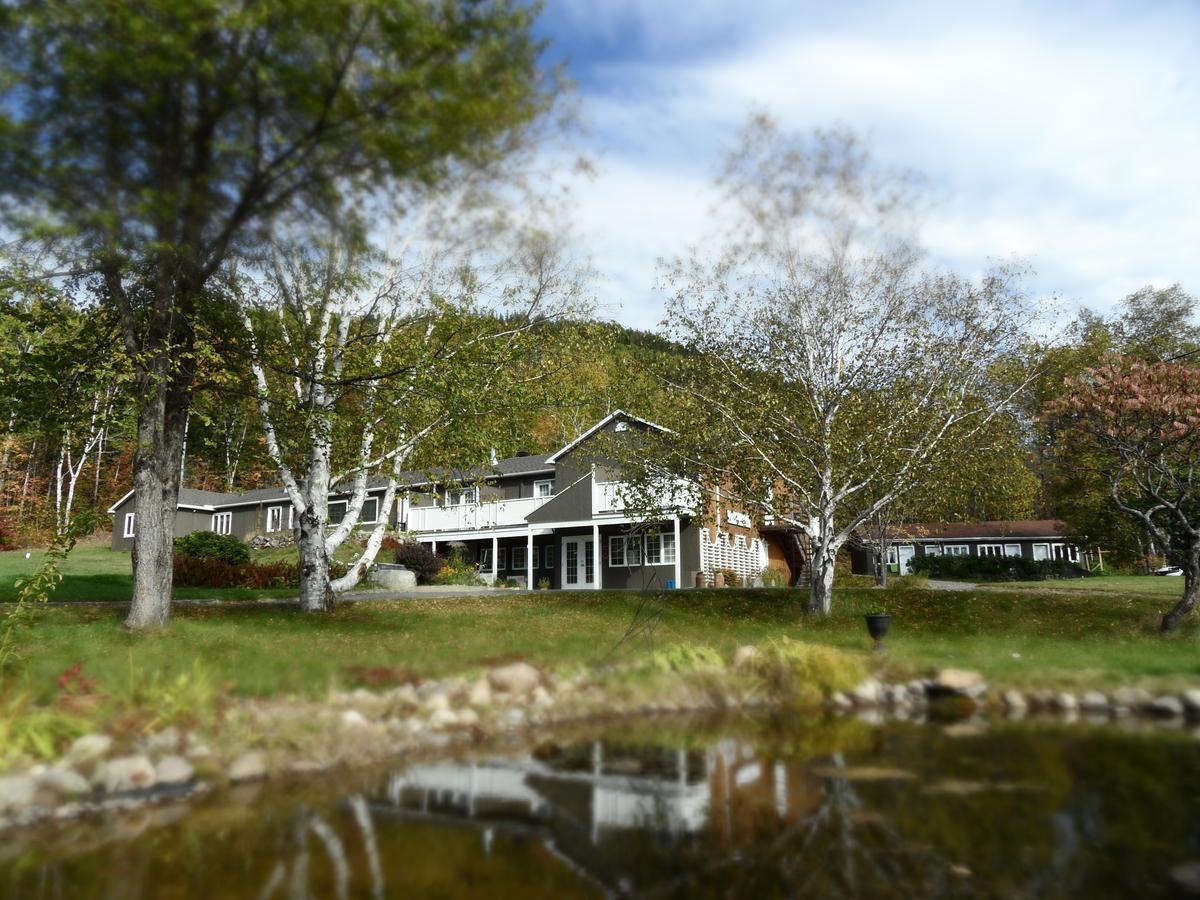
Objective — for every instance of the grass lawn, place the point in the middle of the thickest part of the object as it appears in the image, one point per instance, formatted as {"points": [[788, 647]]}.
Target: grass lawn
{"points": [[1015, 637], [1156, 585], [100, 573]]}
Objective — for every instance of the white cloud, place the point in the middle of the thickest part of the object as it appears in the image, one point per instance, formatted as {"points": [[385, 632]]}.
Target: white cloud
{"points": [[1069, 139]]}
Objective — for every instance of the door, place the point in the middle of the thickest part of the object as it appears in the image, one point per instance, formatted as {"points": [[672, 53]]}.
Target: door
{"points": [[579, 563], [905, 554]]}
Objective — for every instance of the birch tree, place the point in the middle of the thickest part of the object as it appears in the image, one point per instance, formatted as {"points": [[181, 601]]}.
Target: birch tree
{"points": [[367, 369], [824, 370], [149, 144]]}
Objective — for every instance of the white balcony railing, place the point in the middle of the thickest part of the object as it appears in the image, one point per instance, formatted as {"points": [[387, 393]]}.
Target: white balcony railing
{"points": [[610, 497], [472, 516]]}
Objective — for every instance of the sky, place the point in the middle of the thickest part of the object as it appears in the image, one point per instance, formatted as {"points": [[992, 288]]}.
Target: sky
{"points": [[1064, 136]]}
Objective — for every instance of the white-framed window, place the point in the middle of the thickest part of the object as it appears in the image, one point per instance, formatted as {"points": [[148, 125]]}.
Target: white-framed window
{"points": [[625, 550], [462, 496], [129, 520], [1012, 549], [543, 489], [274, 518], [991, 550], [501, 559], [370, 511], [518, 558], [1041, 551], [957, 550], [337, 511], [291, 517], [933, 549], [222, 523], [548, 562], [485, 557], [536, 554], [660, 549], [1065, 551]]}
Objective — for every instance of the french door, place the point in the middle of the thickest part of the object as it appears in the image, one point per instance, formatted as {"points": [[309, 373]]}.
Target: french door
{"points": [[578, 563]]}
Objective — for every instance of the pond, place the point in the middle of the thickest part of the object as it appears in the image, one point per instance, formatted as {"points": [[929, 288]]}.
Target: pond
{"points": [[755, 807]]}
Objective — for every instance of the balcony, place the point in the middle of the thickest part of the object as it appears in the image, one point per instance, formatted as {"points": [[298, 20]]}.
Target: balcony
{"points": [[608, 497], [472, 516]]}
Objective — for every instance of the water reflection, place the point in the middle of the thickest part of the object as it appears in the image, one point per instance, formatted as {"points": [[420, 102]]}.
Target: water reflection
{"points": [[754, 808]]}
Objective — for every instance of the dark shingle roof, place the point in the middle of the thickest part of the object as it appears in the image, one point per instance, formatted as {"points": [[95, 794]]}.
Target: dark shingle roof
{"points": [[1009, 528]]}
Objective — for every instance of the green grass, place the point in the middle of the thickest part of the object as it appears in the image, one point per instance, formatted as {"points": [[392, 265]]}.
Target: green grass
{"points": [[1028, 637], [1159, 586], [99, 573]]}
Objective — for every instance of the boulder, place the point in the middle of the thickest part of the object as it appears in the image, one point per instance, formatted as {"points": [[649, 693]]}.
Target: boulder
{"points": [[165, 741], [869, 693], [394, 577], [1191, 701], [481, 693], [352, 718], [438, 702], [1128, 698], [958, 682], [1167, 707], [839, 700], [126, 773], [1014, 700], [1065, 702], [468, 717], [443, 718], [248, 767], [1093, 702], [88, 748], [64, 782], [174, 770], [515, 678], [16, 792], [745, 656]]}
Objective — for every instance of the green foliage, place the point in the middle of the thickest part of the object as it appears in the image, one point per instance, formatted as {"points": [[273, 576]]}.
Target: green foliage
{"points": [[423, 562], [684, 658], [27, 729], [995, 568], [729, 576], [189, 698], [457, 570], [802, 671], [210, 545], [773, 578]]}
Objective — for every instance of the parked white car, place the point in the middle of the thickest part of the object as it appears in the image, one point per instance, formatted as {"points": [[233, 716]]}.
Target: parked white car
{"points": [[1169, 570]]}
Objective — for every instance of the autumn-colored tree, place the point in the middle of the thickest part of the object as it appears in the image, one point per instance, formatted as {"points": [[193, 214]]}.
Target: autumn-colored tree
{"points": [[1140, 423]]}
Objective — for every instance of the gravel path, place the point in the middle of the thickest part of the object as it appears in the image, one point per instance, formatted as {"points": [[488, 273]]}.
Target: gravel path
{"points": [[950, 585]]}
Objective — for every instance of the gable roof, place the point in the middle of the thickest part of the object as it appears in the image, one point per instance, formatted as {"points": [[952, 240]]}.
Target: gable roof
{"points": [[553, 457]]}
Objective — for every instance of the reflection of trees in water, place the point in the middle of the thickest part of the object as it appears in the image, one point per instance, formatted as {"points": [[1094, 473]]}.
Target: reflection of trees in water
{"points": [[292, 872]]}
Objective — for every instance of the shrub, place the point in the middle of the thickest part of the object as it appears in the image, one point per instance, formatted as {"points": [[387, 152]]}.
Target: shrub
{"points": [[805, 672], [210, 545], [731, 577], [773, 578], [216, 573], [423, 562], [684, 658], [996, 568]]}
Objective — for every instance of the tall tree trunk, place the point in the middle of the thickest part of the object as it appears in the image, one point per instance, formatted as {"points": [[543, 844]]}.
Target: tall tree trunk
{"points": [[164, 395], [316, 593], [820, 596], [1191, 584], [6, 455]]}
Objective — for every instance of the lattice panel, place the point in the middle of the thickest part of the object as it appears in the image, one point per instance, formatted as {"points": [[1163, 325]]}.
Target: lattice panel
{"points": [[730, 552]]}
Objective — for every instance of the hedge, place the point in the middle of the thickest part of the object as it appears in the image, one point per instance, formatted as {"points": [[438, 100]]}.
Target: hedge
{"points": [[191, 571], [210, 545], [996, 568]]}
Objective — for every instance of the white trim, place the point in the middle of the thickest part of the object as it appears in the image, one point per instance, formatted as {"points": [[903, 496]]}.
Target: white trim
{"points": [[553, 457], [512, 558], [374, 519], [328, 511], [660, 539], [222, 523], [538, 483], [953, 550], [130, 520], [112, 509], [274, 517]]}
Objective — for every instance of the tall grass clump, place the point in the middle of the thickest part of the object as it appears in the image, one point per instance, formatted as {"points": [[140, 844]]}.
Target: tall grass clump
{"points": [[804, 673]]}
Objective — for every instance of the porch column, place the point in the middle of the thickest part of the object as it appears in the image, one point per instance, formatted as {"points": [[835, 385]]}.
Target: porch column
{"points": [[495, 559], [434, 545], [596, 561], [678, 556], [529, 560]]}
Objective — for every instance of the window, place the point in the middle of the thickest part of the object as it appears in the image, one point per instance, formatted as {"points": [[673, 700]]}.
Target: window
{"points": [[625, 550], [536, 563], [991, 550], [1041, 551], [274, 518], [222, 523], [543, 489], [518, 558], [933, 549], [485, 557], [291, 517], [1012, 549], [501, 558], [370, 511], [462, 497], [957, 550], [128, 532], [549, 560], [337, 512], [660, 549]]}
